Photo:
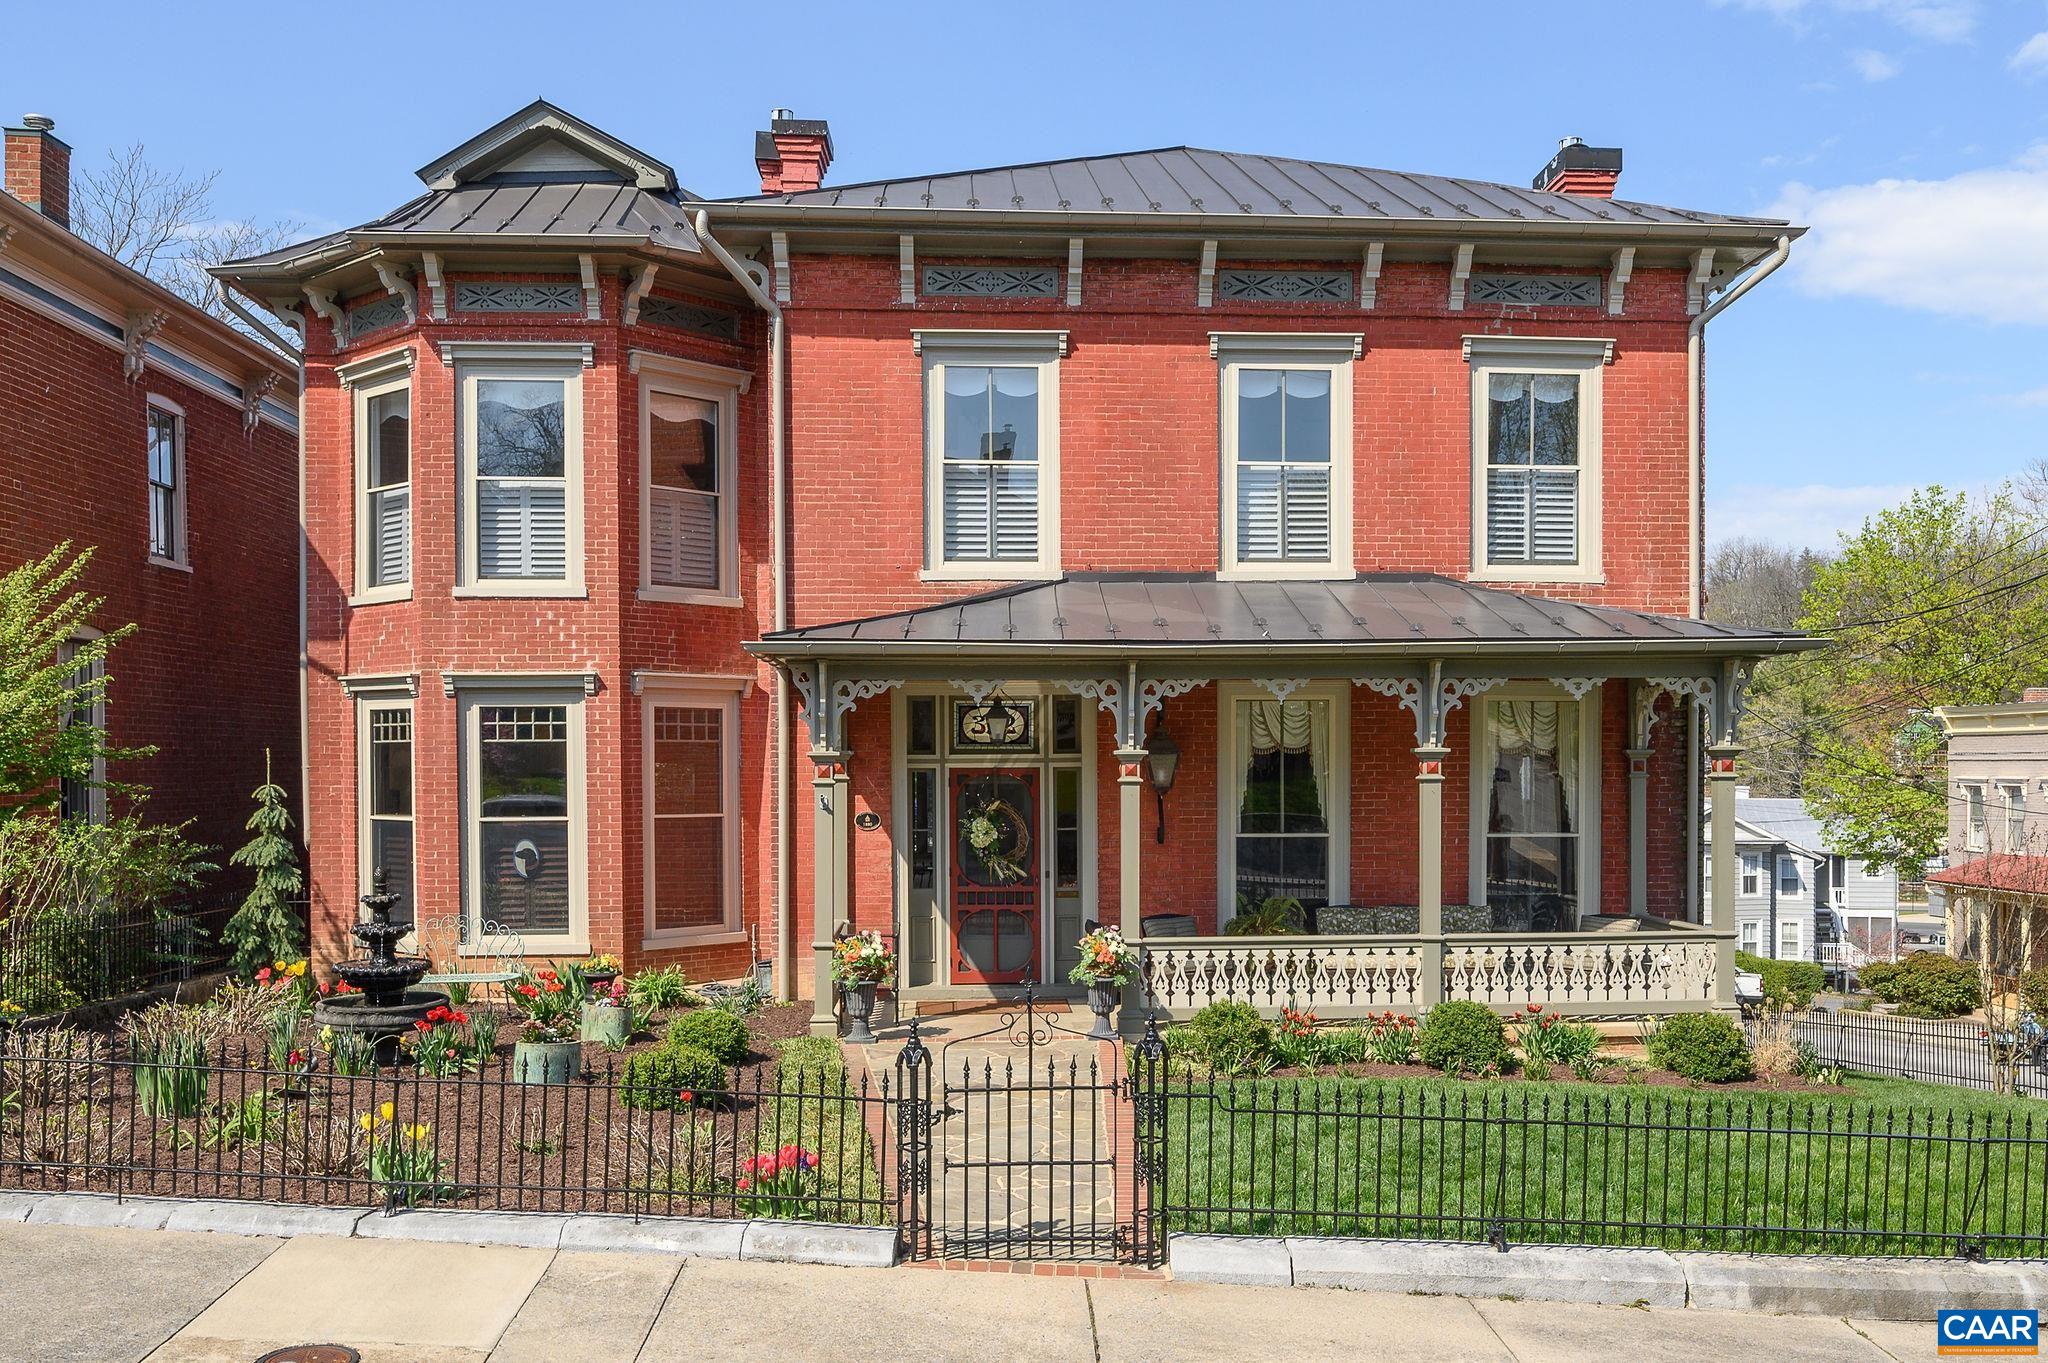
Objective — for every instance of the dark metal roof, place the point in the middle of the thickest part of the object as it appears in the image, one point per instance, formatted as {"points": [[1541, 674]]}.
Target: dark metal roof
{"points": [[1378, 611], [1194, 180]]}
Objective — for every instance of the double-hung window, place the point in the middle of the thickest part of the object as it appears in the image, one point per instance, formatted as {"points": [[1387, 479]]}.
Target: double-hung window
{"points": [[1286, 454], [1788, 875], [386, 794], [1285, 813], [2015, 799], [689, 543], [1536, 462], [1752, 874], [692, 835], [1974, 839], [522, 474], [523, 810], [1535, 851], [85, 799], [166, 436], [384, 515], [992, 453]]}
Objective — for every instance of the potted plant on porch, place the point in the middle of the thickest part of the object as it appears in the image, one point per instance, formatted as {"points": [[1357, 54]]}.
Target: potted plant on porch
{"points": [[548, 1051], [1106, 966], [861, 961]]}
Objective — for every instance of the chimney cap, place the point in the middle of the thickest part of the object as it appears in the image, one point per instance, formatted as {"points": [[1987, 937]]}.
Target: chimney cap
{"points": [[41, 123], [1574, 154]]}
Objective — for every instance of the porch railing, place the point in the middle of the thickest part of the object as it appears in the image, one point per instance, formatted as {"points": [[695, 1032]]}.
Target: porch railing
{"points": [[1679, 968]]}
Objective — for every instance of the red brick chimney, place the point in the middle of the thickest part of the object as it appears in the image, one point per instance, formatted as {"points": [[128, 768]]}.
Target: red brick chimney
{"points": [[1579, 169], [794, 154], [39, 168]]}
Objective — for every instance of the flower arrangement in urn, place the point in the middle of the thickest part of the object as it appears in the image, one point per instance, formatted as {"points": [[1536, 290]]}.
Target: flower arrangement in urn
{"points": [[607, 1019], [549, 1050], [1107, 964], [861, 961]]}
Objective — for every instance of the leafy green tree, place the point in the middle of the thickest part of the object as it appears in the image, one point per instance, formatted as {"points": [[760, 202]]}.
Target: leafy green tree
{"points": [[1934, 602], [52, 676], [266, 928]]}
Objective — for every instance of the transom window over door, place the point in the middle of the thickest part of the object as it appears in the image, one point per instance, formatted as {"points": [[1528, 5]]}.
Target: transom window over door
{"points": [[992, 471], [1532, 814], [1283, 465], [1286, 805], [523, 818], [1532, 468]]}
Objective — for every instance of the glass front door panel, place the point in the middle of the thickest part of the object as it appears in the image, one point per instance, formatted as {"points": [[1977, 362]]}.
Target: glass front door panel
{"points": [[995, 858]]}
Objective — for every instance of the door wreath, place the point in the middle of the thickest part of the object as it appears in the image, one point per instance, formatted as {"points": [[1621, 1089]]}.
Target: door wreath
{"points": [[997, 837]]}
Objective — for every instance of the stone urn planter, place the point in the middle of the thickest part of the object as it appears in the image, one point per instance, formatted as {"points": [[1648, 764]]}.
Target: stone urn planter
{"points": [[1102, 997], [546, 1062], [600, 981], [605, 1023], [860, 1008]]}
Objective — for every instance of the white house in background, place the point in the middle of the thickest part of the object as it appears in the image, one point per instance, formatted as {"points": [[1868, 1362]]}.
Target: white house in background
{"points": [[1799, 900]]}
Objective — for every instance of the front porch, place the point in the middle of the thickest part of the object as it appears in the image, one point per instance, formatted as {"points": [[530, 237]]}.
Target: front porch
{"points": [[1314, 762]]}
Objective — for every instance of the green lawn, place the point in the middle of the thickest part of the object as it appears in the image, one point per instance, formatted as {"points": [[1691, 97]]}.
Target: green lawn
{"points": [[1895, 1168]]}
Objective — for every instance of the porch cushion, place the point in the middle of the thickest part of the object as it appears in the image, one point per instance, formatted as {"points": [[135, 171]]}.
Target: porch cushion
{"points": [[1169, 925]]}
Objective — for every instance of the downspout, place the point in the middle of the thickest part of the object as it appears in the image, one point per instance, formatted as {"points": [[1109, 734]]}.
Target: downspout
{"points": [[297, 352], [778, 557]]}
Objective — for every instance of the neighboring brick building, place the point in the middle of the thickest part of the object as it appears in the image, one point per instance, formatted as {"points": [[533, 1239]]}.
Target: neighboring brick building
{"points": [[1995, 885], [597, 469], [134, 423]]}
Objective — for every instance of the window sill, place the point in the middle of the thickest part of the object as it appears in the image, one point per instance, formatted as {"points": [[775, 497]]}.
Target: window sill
{"points": [[1287, 572], [1583, 577], [1001, 570], [559, 590], [377, 596], [709, 937], [689, 596], [175, 564]]}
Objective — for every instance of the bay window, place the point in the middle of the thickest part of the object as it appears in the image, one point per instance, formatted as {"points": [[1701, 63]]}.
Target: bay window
{"points": [[524, 834], [992, 455], [689, 542], [386, 796], [1535, 851], [1536, 473], [521, 474], [690, 774], [384, 509], [1285, 812]]}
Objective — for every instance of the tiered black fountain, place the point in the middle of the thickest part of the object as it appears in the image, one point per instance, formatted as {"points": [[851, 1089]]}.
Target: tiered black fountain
{"points": [[388, 1005]]}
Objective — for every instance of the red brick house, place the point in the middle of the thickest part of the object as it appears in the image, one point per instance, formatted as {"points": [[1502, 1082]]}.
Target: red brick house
{"points": [[134, 423], [692, 579]]}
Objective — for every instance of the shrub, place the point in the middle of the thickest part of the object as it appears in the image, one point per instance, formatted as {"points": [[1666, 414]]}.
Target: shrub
{"points": [[1786, 984], [659, 1079], [1462, 1037], [1707, 1047], [2034, 991], [1231, 1037], [1928, 984], [1877, 977], [721, 1033]]}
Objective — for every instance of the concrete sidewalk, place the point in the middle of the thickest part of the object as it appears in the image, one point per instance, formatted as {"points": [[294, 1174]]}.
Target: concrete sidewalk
{"points": [[87, 1295]]}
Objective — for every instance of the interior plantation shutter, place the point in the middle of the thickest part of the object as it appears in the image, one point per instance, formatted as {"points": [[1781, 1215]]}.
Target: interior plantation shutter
{"points": [[1305, 512], [1258, 511], [1507, 514], [1554, 537], [1016, 511], [392, 551], [682, 538], [522, 529]]}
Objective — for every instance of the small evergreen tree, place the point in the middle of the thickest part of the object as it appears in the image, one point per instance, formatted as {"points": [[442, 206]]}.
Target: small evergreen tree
{"points": [[266, 928]]}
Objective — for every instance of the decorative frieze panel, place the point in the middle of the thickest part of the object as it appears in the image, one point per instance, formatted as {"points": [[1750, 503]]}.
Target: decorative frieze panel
{"points": [[493, 297], [990, 281], [388, 311], [1284, 286], [1536, 290], [712, 322]]}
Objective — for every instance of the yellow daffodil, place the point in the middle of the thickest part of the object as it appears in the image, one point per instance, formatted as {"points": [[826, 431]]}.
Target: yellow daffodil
{"points": [[417, 1132]]}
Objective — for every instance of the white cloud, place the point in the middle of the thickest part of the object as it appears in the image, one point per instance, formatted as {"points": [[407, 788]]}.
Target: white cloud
{"points": [[1810, 516], [1946, 21], [2033, 397], [1874, 66], [2032, 58], [1972, 245]]}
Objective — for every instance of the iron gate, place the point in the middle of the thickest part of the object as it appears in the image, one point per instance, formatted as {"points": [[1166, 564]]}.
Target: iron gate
{"points": [[1011, 1150]]}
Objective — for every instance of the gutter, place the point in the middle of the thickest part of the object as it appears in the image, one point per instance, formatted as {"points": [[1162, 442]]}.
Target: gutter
{"points": [[1695, 382], [1123, 651], [778, 555]]}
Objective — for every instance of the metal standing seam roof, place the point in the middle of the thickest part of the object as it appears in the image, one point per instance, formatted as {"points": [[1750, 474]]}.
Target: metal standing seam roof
{"points": [[1195, 611], [1195, 180]]}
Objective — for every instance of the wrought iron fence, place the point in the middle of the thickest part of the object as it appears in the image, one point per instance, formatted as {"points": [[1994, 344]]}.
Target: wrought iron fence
{"points": [[1963, 1053], [84, 1112], [59, 961], [1660, 1169]]}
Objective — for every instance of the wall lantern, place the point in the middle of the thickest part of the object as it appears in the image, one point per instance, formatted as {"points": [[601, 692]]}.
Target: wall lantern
{"points": [[1162, 761]]}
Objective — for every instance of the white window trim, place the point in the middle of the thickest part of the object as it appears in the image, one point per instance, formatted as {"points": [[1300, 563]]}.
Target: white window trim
{"points": [[1798, 881], [1586, 358], [656, 693], [1042, 350], [708, 383], [389, 377], [1230, 780], [1976, 818], [509, 360], [1333, 353], [181, 559], [1797, 929], [382, 698], [475, 692], [2013, 804], [1749, 936], [1589, 788], [96, 794], [1748, 864]]}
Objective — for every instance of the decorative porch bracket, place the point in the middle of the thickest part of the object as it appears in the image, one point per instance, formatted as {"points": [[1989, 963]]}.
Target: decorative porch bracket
{"points": [[1106, 692], [825, 700], [1153, 693]]}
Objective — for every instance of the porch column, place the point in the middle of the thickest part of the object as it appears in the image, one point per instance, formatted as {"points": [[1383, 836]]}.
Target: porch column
{"points": [[1130, 790], [1429, 840], [1721, 842], [1639, 832], [828, 889]]}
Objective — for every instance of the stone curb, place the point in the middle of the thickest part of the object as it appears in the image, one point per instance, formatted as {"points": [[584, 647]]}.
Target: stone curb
{"points": [[1890, 1289], [796, 1242]]}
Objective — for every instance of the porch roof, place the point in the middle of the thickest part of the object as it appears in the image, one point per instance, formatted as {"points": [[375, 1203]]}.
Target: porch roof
{"points": [[1405, 613]]}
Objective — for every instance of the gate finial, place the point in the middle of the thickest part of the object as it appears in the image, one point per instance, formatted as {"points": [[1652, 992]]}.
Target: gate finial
{"points": [[914, 1052], [1149, 1045]]}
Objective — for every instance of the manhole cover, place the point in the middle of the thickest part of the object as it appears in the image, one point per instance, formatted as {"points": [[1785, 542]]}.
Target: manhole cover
{"points": [[313, 1353]]}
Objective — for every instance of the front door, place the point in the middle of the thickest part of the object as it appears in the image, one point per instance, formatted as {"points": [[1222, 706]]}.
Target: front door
{"points": [[995, 879]]}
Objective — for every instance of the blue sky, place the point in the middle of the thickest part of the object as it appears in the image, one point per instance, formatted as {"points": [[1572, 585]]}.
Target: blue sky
{"points": [[1907, 342]]}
